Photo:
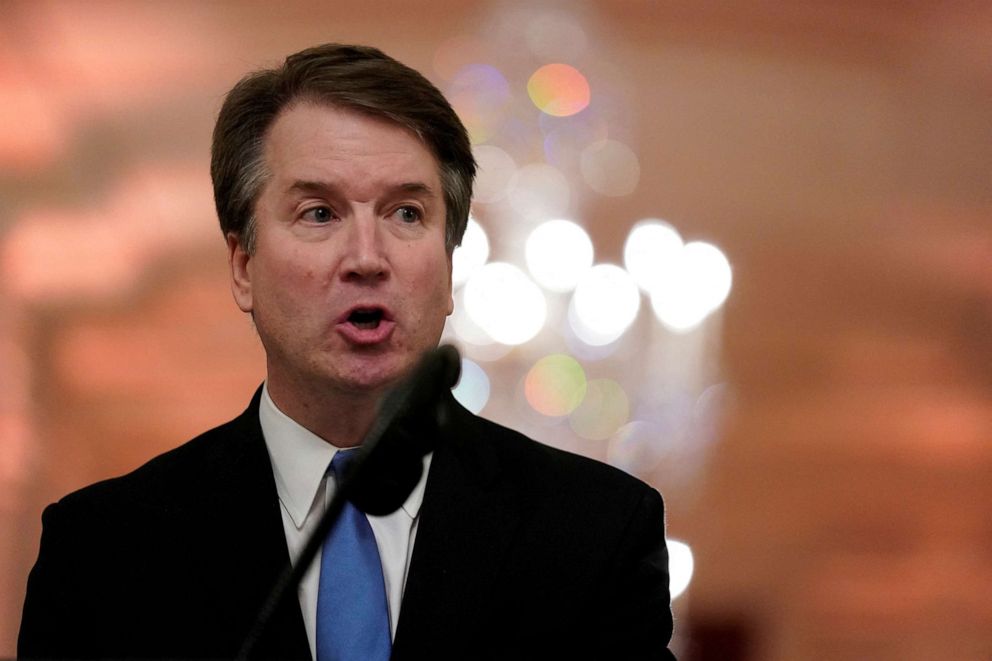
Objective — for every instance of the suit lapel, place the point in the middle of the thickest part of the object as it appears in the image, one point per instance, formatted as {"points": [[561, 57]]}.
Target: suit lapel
{"points": [[254, 540], [466, 523]]}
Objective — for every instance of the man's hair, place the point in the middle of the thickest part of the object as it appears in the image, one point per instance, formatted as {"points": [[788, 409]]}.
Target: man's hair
{"points": [[358, 78]]}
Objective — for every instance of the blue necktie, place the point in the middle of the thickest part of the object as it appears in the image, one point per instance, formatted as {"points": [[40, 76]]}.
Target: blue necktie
{"points": [[352, 616]]}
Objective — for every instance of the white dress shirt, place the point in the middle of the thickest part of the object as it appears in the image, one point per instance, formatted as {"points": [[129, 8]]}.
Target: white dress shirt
{"points": [[299, 462]]}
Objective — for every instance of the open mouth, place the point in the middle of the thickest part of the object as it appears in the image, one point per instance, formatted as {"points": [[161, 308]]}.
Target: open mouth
{"points": [[365, 319]]}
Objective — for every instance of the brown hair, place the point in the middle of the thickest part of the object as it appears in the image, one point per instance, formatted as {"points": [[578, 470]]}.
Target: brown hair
{"points": [[359, 78]]}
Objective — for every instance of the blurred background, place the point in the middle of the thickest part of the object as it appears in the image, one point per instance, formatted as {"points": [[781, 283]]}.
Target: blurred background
{"points": [[742, 250]]}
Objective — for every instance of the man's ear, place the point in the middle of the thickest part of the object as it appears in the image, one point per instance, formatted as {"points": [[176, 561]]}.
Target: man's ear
{"points": [[240, 273]]}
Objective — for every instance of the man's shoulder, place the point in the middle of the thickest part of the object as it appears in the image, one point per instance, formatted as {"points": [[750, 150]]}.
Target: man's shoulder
{"points": [[177, 475], [544, 467]]}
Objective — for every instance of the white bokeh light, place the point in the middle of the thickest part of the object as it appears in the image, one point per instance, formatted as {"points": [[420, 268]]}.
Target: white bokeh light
{"points": [[680, 566], [709, 273], [474, 342], [610, 168], [605, 303], [539, 191], [472, 390], [471, 254], [505, 303], [465, 327], [496, 169], [698, 284], [677, 309], [652, 250], [558, 253]]}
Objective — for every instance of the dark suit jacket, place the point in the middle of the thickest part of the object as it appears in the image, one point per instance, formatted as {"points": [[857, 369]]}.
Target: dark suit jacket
{"points": [[522, 551]]}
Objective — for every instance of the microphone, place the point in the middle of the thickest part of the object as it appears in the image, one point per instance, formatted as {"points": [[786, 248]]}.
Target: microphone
{"points": [[411, 420]]}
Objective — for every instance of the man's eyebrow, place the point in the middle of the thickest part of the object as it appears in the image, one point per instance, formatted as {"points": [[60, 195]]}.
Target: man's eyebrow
{"points": [[311, 187], [414, 187]]}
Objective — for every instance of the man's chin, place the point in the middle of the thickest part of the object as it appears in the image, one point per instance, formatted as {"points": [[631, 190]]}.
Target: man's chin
{"points": [[375, 378]]}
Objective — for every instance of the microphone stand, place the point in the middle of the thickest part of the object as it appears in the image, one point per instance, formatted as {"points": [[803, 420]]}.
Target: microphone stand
{"points": [[385, 471]]}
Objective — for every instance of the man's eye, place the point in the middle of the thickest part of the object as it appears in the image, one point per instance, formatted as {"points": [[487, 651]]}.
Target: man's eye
{"points": [[409, 214], [318, 214]]}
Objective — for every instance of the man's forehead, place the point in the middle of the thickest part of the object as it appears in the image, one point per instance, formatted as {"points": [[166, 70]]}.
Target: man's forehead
{"points": [[301, 125], [321, 108]]}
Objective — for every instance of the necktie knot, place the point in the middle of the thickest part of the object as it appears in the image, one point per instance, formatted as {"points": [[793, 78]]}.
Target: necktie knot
{"points": [[342, 461]]}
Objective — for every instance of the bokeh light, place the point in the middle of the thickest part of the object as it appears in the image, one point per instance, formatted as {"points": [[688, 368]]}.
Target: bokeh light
{"points": [[566, 137], [556, 35], [637, 447], [651, 253], [488, 353], [479, 93], [471, 254], [677, 309], [465, 328], [680, 566], [708, 271], [555, 385], [495, 170], [605, 303], [583, 129], [559, 89], [518, 134], [472, 390], [474, 342], [602, 411], [584, 349], [698, 284], [505, 303], [558, 253], [539, 191], [610, 168]]}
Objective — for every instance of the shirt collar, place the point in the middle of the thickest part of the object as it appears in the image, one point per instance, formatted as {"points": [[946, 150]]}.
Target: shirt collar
{"points": [[300, 459]]}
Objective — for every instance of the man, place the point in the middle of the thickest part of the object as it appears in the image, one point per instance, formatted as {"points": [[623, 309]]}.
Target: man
{"points": [[342, 181]]}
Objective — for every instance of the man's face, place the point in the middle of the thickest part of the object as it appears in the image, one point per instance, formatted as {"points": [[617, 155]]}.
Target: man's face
{"points": [[350, 280]]}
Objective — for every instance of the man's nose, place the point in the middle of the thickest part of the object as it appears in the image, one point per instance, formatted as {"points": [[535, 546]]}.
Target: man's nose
{"points": [[365, 259]]}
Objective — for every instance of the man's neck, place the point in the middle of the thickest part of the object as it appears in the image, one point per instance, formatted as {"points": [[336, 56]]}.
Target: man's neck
{"points": [[340, 418]]}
